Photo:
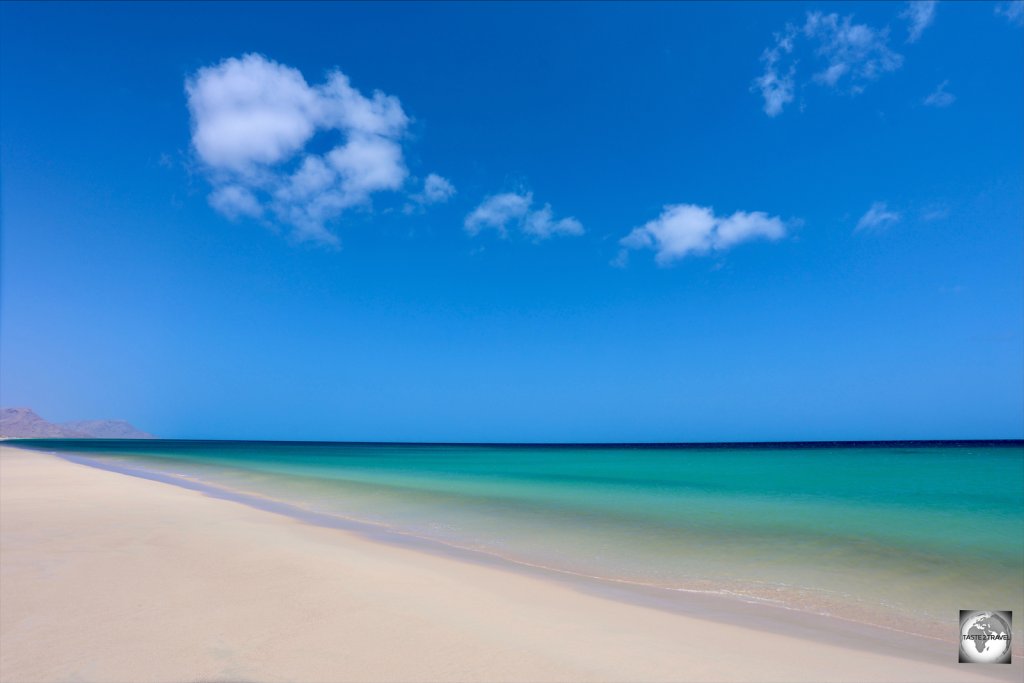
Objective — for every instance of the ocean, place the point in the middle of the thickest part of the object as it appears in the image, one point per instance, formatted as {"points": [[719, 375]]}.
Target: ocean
{"points": [[901, 535]]}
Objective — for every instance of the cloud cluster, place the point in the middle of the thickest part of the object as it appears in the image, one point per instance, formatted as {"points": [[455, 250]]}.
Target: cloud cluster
{"points": [[684, 229], [919, 15], [500, 211], [849, 55], [878, 217], [253, 121]]}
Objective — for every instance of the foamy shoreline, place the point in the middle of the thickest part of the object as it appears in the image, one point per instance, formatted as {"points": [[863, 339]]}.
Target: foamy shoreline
{"points": [[110, 577]]}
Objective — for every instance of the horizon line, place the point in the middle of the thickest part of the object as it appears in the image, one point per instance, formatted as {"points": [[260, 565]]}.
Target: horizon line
{"points": [[573, 444]]}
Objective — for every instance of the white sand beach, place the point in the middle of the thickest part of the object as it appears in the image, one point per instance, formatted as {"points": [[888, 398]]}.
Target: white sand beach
{"points": [[107, 577]]}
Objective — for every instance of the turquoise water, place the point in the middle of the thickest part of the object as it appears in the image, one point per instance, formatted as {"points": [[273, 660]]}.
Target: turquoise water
{"points": [[893, 534]]}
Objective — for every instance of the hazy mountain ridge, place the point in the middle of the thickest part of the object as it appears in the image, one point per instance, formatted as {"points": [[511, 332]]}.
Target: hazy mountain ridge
{"points": [[24, 423]]}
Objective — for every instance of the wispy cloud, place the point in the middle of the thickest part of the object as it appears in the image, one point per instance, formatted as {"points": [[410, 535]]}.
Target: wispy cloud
{"points": [[541, 224], [497, 211], [235, 201], [878, 217], [252, 121], [939, 97], [687, 229], [855, 52], [848, 56], [777, 82], [935, 212], [919, 15], [436, 190], [1012, 11], [501, 211]]}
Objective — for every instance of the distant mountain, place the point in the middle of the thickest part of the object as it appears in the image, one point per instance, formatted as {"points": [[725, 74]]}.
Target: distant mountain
{"points": [[23, 423]]}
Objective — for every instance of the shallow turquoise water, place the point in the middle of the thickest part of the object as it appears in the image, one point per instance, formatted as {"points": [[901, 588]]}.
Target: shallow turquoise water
{"points": [[896, 534]]}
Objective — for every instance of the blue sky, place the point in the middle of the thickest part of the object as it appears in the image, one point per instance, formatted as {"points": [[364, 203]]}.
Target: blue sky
{"points": [[555, 222]]}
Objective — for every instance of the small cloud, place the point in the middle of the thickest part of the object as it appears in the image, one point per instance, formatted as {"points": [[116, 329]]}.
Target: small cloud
{"points": [[939, 97], [878, 217], [499, 211], [1012, 11], [919, 15], [684, 229]]}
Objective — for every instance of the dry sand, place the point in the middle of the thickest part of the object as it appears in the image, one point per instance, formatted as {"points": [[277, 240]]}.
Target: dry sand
{"points": [[106, 577]]}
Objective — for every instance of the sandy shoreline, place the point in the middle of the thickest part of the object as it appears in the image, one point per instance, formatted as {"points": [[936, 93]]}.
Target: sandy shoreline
{"points": [[105, 577]]}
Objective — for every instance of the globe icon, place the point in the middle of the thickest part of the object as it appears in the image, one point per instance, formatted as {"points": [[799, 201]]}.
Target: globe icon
{"points": [[984, 638]]}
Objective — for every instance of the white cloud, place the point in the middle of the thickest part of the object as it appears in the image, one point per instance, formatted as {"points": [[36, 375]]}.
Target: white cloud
{"points": [[499, 211], [777, 86], [1013, 11], [877, 217], [249, 111], [855, 50], [252, 120], [939, 97], [684, 229], [919, 15]]}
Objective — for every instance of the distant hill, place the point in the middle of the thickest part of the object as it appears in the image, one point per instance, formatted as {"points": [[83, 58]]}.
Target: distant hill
{"points": [[24, 423]]}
